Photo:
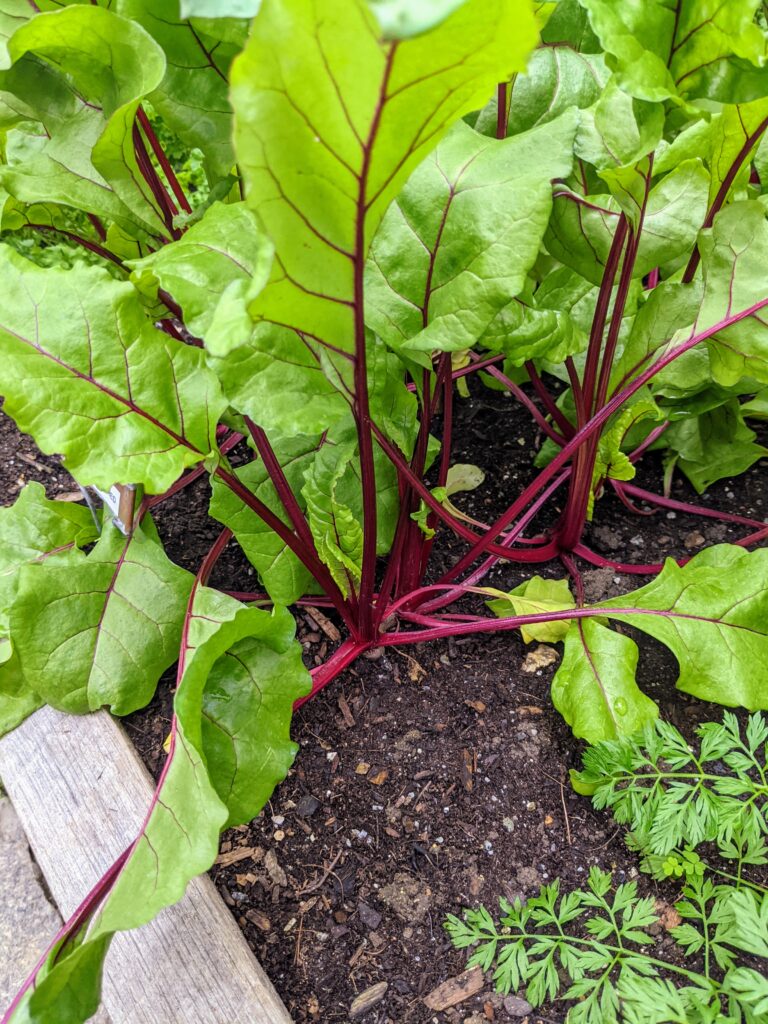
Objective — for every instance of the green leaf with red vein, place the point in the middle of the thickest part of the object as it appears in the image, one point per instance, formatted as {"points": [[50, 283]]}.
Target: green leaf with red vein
{"points": [[100, 630], [221, 250], [327, 131], [35, 529], [712, 613], [582, 228], [734, 255], [180, 836], [455, 247], [17, 699], [283, 576], [247, 710], [88, 376]]}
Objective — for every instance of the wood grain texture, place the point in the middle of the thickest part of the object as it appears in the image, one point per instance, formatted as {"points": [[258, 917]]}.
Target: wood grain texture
{"points": [[81, 792]]}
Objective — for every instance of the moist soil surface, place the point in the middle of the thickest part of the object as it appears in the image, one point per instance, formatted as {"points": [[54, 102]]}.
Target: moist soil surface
{"points": [[430, 777]]}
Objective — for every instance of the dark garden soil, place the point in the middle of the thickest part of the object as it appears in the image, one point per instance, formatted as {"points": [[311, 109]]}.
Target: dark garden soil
{"points": [[430, 777]]}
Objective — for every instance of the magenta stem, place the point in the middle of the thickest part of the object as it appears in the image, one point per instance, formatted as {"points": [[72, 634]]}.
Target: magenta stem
{"points": [[509, 539], [486, 543], [308, 558], [521, 396], [162, 159], [684, 506], [93, 247], [280, 483], [341, 658], [547, 400]]}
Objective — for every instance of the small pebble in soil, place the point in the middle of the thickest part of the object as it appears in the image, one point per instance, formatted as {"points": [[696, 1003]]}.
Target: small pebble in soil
{"points": [[307, 806], [368, 916], [509, 824], [517, 1007]]}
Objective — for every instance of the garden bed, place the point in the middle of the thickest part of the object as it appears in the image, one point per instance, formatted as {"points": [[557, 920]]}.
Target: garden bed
{"points": [[427, 779]]}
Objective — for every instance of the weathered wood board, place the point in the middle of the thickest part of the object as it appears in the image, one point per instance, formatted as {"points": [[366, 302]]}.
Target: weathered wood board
{"points": [[81, 793]]}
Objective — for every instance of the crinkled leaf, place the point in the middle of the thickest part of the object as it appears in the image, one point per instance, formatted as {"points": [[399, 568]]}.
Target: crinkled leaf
{"points": [[535, 597], [336, 529], [611, 462], [97, 68], [733, 255], [690, 48], [87, 375], [594, 688], [712, 613], [34, 529], [550, 323], [222, 248], [100, 630], [247, 710], [526, 330], [716, 444], [355, 113], [456, 246]]}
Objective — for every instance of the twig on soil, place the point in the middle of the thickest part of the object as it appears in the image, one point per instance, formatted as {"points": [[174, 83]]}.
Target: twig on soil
{"points": [[297, 951], [561, 784], [328, 871]]}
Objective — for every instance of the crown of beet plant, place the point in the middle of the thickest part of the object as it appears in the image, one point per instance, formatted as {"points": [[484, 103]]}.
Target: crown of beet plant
{"points": [[389, 195]]}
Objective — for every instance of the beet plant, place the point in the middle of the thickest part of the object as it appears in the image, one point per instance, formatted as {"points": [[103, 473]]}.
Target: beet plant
{"points": [[565, 199]]}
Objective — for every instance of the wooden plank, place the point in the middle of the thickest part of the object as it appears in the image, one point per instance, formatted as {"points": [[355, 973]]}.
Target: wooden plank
{"points": [[81, 793]]}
